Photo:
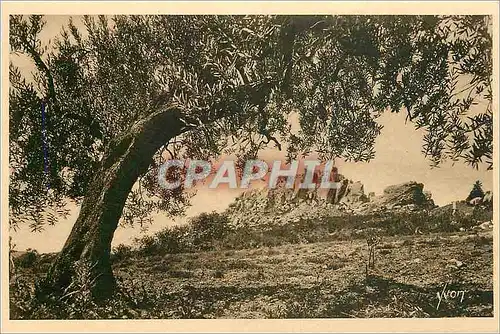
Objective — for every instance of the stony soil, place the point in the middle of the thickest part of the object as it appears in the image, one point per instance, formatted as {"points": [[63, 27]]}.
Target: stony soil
{"points": [[326, 279]]}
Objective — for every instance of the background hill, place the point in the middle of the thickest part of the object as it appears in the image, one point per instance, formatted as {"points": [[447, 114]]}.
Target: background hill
{"points": [[284, 253]]}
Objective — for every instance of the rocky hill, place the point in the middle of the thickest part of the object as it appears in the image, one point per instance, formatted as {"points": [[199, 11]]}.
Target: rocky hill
{"points": [[281, 205]]}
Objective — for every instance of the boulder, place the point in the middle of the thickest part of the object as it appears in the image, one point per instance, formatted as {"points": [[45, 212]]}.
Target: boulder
{"points": [[408, 196], [488, 198], [454, 263], [483, 226], [404, 194], [354, 193]]}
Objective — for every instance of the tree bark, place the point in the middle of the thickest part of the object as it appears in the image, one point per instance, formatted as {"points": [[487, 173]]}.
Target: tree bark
{"points": [[88, 246]]}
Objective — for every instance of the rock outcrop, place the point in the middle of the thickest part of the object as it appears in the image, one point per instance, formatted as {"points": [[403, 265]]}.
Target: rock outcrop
{"points": [[354, 193], [282, 205], [488, 198], [405, 194], [278, 206], [408, 196]]}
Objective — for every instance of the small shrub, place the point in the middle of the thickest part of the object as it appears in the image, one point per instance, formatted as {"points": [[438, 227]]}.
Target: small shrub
{"points": [[121, 252], [161, 267], [180, 274], [433, 242], [147, 245], [175, 239], [336, 264], [386, 245], [28, 259], [408, 242], [208, 227], [238, 264], [481, 240], [241, 238], [255, 275], [317, 259], [274, 260], [230, 253], [276, 310], [218, 274]]}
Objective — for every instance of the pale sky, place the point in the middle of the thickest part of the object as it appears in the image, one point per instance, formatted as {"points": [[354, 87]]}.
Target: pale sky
{"points": [[398, 159]]}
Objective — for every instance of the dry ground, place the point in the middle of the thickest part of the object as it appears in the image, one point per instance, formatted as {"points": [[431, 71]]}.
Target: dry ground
{"points": [[325, 279]]}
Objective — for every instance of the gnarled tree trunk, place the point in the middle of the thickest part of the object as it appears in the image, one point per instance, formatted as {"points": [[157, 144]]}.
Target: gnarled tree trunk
{"points": [[89, 243]]}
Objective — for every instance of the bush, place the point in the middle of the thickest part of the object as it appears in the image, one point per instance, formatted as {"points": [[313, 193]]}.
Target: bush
{"points": [[121, 252], [208, 227], [28, 259], [175, 239], [147, 245], [203, 232], [213, 231]]}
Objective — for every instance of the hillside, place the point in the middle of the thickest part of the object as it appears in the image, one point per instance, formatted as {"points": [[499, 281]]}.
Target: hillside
{"points": [[316, 280], [287, 254]]}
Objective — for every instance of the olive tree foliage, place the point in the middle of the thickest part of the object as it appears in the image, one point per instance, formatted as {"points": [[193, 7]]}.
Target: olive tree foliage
{"points": [[237, 80]]}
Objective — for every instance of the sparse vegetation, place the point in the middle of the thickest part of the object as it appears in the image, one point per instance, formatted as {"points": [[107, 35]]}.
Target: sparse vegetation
{"points": [[318, 280], [121, 252], [304, 269], [27, 259], [213, 231]]}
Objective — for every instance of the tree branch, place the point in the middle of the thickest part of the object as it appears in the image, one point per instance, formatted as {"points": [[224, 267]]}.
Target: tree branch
{"points": [[51, 90], [271, 138]]}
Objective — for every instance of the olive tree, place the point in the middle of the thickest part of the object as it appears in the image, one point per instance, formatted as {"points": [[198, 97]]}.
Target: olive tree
{"points": [[111, 100]]}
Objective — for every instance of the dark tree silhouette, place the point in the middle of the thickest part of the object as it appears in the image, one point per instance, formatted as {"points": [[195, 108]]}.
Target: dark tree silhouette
{"points": [[477, 191], [127, 92]]}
